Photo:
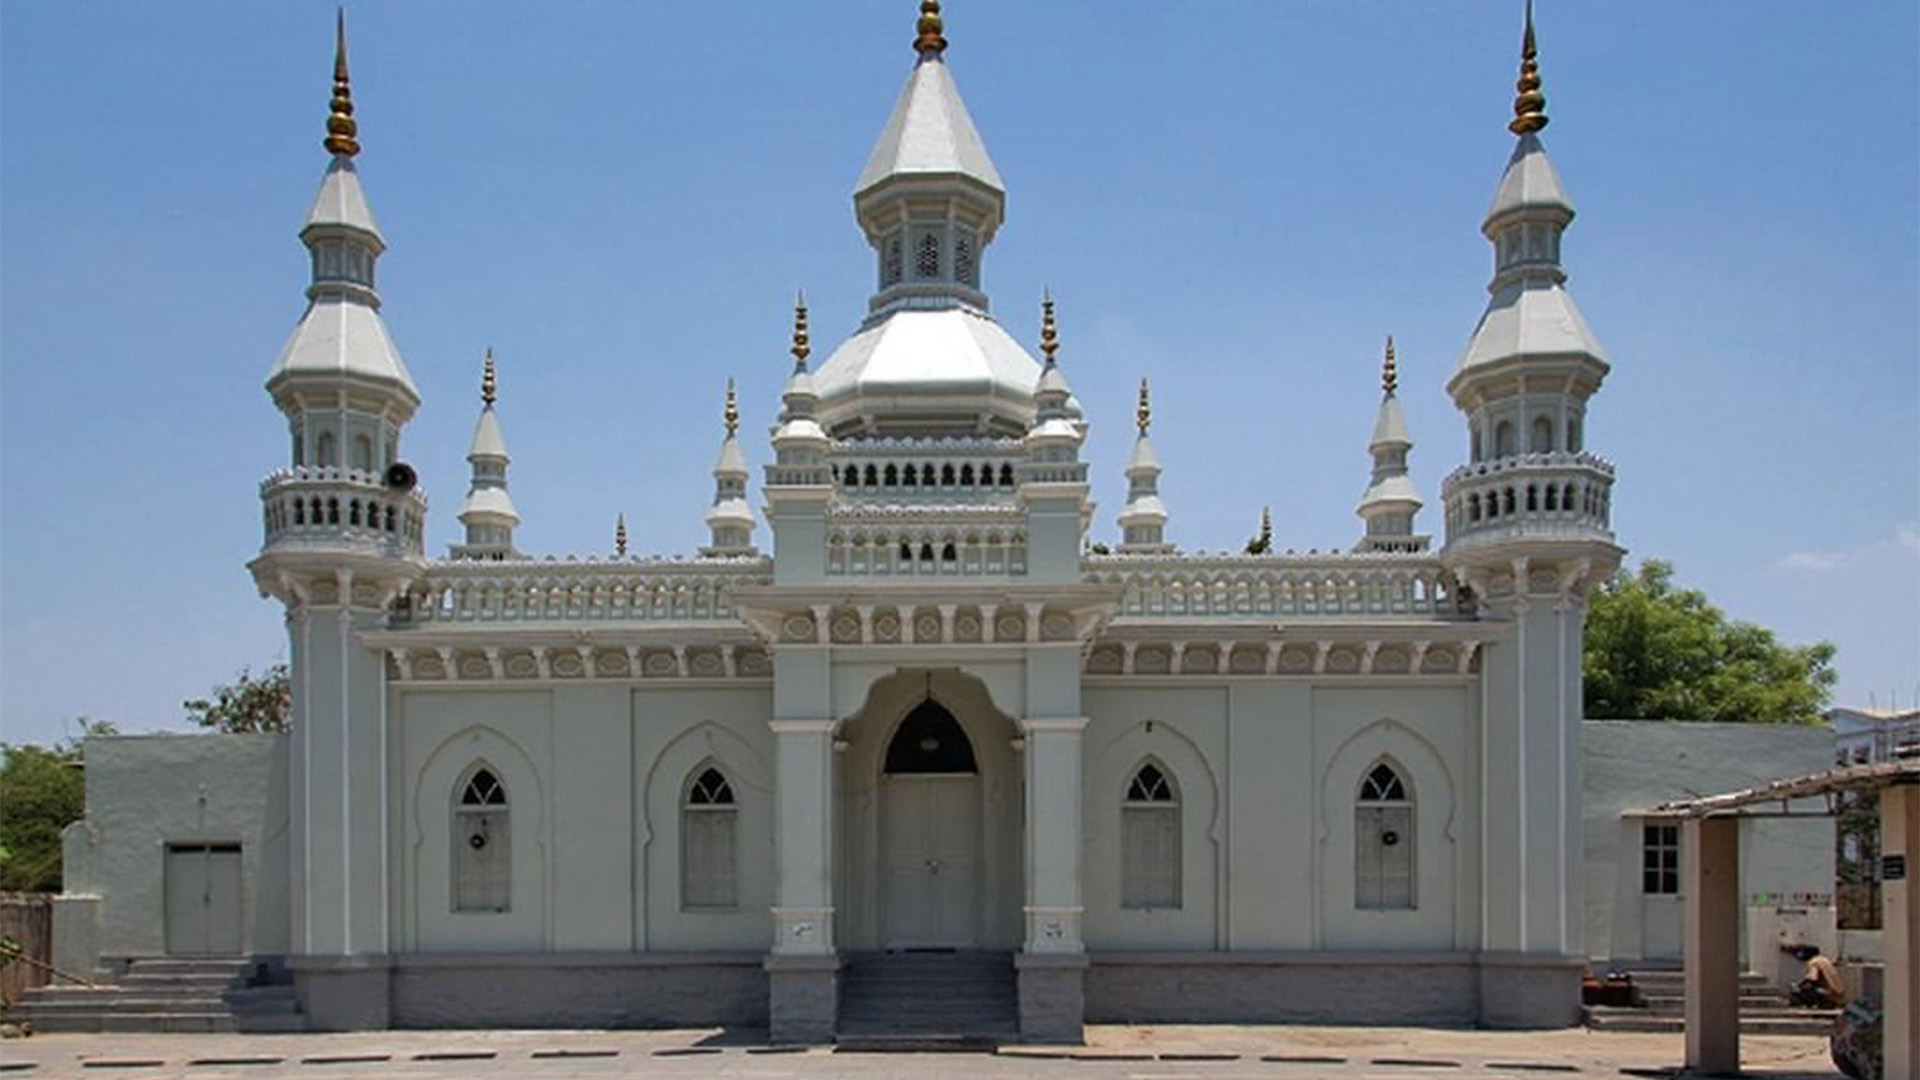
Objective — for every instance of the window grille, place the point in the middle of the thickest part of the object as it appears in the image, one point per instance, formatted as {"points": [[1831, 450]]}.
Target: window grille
{"points": [[709, 843], [892, 271], [926, 256], [1660, 859], [482, 845], [1150, 842], [963, 268], [1383, 841]]}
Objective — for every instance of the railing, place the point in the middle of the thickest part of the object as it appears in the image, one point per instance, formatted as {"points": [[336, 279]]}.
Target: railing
{"points": [[309, 506], [963, 468], [907, 540], [1529, 495], [1886, 740], [1372, 585], [664, 590]]}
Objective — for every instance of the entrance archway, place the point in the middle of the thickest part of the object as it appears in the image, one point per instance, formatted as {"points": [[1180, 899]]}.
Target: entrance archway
{"points": [[928, 768], [930, 821]]}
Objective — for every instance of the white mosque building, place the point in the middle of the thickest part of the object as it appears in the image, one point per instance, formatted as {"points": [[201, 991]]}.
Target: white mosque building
{"points": [[899, 748]]}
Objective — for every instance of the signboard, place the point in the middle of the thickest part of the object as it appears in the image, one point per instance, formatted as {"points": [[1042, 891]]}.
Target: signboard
{"points": [[1893, 868]]}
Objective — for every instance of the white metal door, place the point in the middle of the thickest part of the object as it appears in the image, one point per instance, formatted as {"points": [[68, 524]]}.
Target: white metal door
{"points": [[203, 899], [932, 858]]}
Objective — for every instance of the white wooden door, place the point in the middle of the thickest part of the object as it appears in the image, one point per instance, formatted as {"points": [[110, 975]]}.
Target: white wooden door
{"points": [[203, 899], [932, 860]]}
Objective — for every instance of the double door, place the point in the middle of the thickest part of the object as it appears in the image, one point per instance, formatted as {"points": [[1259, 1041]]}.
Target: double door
{"points": [[203, 899], [932, 827]]}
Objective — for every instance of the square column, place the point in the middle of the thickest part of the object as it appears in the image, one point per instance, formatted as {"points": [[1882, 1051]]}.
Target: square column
{"points": [[1900, 927], [1052, 965], [1710, 869], [803, 967]]}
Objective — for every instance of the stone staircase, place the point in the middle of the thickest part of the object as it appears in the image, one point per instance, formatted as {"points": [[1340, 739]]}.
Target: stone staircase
{"points": [[1764, 1009], [165, 995], [936, 1000]]}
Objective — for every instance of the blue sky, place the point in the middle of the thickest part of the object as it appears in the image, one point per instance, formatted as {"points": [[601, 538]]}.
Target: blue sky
{"points": [[1238, 199]]}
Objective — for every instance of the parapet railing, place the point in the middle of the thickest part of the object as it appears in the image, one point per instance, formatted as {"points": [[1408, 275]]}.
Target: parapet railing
{"points": [[327, 506]]}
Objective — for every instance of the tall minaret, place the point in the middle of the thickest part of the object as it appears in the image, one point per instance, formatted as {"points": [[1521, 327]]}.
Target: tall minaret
{"points": [[1144, 521], [1053, 480], [344, 545], [1527, 538], [731, 519], [1391, 501], [488, 512]]}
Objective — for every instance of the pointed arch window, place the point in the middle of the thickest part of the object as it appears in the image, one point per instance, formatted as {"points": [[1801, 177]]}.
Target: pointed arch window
{"points": [[325, 452], [1542, 441], [1504, 440], [1383, 841], [1150, 841], [363, 453], [709, 842], [482, 844]]}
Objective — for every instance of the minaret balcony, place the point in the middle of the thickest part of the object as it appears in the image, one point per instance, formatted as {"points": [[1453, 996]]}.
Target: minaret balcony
{"points": [[1530, 496], [351, 509]]}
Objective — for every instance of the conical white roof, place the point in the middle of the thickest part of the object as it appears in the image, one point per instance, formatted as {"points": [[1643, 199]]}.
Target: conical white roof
{"points": [[930, 133], [341, 336], [732, 462], [1532, 317], [1529, 181], [1390, 427], [340, 200], [487, 439]]}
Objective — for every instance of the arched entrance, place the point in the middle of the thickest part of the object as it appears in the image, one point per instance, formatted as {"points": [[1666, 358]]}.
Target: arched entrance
{"points": [[930, 824]]}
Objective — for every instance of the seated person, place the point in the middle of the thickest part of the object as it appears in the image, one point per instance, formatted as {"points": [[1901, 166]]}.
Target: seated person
{"points": [[1821, 986]]}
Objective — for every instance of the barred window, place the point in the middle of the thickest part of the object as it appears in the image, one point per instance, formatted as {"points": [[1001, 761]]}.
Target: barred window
{"points": [[709, 842], [892, 266], [963, 268], [482, 844], [1660, 859], [1383, 841], [1150, 841]]}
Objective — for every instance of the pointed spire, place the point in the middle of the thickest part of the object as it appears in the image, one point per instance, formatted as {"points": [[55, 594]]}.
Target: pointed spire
{"points": [[731, 415], [489, 381], [1529, 105], [1049, 331], [801, 348], [1144, 414], [1389, 371], [620, 536], [341, 130], [1266, 529], [929, 41]]}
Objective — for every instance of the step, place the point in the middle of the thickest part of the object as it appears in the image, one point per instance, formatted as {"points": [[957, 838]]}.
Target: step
{"points": [[1801, 1022], [187, 966]]}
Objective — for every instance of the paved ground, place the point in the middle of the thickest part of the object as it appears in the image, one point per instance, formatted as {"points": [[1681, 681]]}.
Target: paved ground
{"points": [[1113, 1053]]}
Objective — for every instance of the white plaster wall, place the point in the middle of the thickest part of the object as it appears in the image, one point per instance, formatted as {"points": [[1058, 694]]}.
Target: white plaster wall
{"points": [[147, 791], [1268, 772]]}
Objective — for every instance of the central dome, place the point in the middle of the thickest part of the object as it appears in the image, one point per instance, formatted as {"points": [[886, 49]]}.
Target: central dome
{"points": [[953, 370]]}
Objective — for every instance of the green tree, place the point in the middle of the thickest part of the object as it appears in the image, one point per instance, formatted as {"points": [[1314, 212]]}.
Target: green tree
{"points": [[1659, 652], [42, 791], [248, 704]]}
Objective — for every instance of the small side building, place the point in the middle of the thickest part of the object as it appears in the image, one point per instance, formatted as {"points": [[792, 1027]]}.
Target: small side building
{"points": [[183, 852], [1633, 872]]}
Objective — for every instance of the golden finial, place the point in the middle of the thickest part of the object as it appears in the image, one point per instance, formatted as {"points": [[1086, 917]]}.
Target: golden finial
{"points": [[732, 414], [1530, 105], [1266, 529], [620, 536], [1049, 333], [800, 346], [340, 126], [1389, 371], [489, 381], [930, 28], [1144, 415]]}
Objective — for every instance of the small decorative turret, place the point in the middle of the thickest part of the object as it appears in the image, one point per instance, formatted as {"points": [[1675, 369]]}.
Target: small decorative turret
{"points": [[731, 519], [799, 442], [487, 513], [1054, 438], [1143, 523], [1391, 500]]}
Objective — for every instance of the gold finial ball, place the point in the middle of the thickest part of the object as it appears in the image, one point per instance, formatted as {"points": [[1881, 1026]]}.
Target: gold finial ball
{"points": [[930, 28]]}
